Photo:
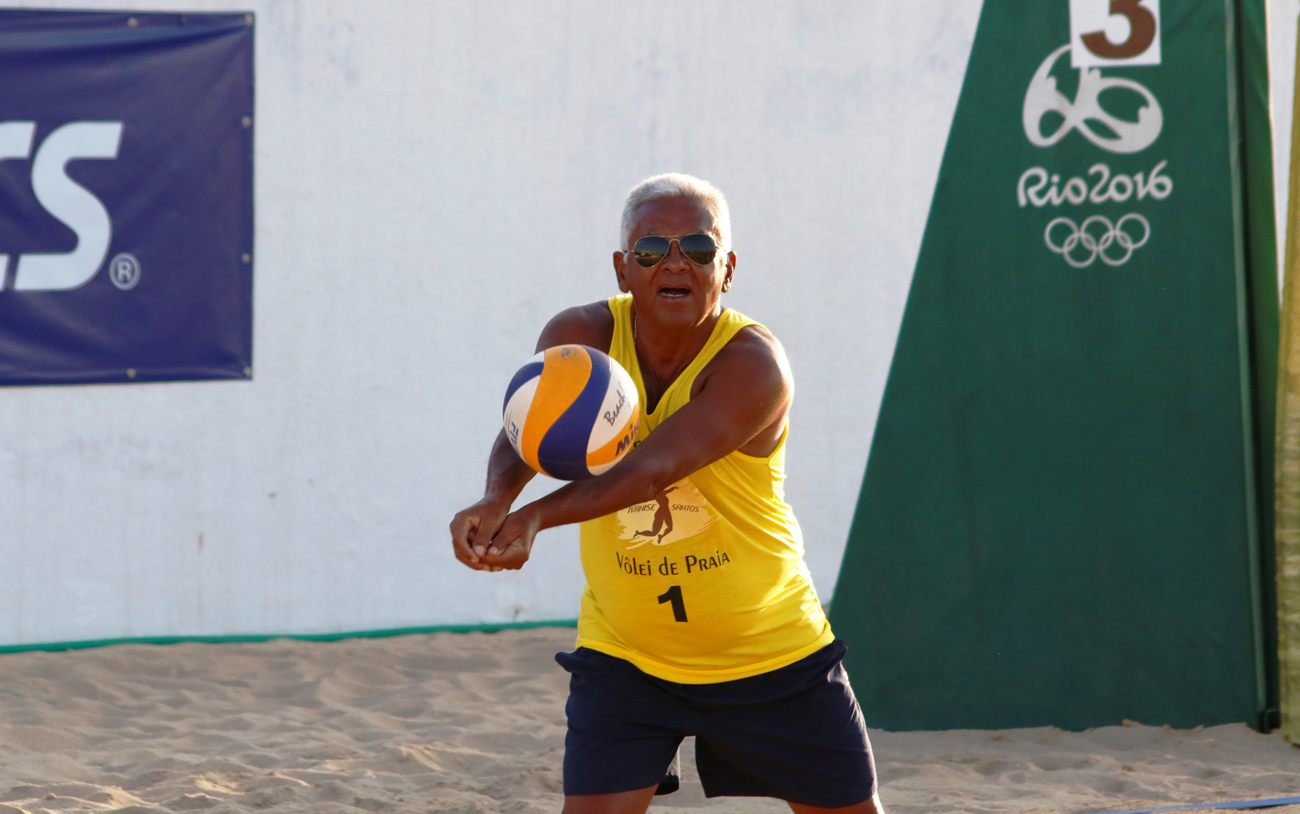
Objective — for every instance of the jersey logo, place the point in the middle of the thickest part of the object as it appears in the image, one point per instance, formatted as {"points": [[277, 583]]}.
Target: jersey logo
{"points": [[677, 513]]}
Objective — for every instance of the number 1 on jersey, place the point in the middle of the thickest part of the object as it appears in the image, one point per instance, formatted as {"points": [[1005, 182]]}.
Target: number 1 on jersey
{"points": [[674, 595]]}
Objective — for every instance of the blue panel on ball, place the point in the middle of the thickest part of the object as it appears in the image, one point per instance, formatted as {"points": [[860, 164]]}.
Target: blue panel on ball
{"points": [[528, 371], [563, 451]]}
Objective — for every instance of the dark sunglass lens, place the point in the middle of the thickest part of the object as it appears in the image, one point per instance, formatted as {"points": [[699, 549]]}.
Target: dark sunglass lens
{"points": [[699, 249], [650, 250]]}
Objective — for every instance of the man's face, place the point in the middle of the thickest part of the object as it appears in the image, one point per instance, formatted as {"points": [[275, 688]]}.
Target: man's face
{"points": [[675, 291]]}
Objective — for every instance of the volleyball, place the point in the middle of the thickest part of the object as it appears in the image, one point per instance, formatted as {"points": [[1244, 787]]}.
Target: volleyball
{"points": [[571, 412]]}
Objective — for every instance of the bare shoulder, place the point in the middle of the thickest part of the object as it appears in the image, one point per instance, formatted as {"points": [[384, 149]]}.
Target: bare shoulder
{"points": [[755, 360], [591, 325]]}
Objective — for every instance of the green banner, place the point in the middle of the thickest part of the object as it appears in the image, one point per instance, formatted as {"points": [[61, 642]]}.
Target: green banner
{"points": [[1060, 521]]}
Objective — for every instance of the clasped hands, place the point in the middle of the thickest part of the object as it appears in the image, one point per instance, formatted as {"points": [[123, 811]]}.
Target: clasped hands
{"points": [[489, 537]]}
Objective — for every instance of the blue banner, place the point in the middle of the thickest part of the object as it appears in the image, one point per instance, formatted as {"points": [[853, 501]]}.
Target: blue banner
{"points": [[126, 197]]}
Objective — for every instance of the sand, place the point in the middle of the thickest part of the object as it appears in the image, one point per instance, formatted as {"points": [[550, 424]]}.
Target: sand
{"points": [[475, 723]]}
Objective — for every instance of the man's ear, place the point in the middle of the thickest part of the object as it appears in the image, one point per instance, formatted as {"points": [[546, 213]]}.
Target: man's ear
{"points": [[731, 271], [619, 260]]}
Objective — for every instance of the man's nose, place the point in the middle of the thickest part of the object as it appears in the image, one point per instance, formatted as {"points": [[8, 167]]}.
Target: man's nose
{"points": [[675, 260]]}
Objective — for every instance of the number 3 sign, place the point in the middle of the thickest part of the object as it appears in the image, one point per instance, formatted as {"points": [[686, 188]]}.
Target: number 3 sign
{"points": [[1114, 32]]}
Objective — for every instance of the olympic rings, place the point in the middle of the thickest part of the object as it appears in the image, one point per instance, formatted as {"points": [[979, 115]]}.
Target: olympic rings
{"points": [[1098, 240]]}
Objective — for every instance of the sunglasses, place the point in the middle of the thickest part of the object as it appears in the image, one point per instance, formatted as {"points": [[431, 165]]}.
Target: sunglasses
{"points": [[699, 249]]}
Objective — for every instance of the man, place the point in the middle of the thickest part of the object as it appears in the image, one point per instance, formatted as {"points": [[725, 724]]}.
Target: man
{"points": [[714, 630]]}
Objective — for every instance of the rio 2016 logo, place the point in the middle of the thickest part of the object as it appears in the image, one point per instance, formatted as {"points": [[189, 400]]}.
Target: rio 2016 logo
{"points": [[1086, 107], [1103, 34], [71, 203]]}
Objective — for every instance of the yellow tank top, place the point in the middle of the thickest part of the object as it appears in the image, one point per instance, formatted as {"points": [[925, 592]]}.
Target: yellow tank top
{"points": [[706, 583]]}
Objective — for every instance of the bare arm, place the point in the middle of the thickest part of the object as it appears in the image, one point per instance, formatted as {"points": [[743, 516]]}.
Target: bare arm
{"points": [[747, 391], [507, 477], [474, 527]]}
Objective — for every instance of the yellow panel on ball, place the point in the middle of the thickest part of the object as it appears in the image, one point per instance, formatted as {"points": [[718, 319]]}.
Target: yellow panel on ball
{"points": [[571, 412]]}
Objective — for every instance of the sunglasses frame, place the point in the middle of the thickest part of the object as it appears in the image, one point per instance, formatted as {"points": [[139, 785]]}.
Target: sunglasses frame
{"points": [[678, 240]]}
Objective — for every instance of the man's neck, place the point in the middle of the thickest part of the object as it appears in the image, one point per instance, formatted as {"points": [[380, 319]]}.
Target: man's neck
{"points": [[664, 351]]}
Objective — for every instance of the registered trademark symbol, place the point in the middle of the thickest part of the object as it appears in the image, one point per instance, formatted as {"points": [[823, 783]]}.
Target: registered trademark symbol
{"points": [[124, 271]]}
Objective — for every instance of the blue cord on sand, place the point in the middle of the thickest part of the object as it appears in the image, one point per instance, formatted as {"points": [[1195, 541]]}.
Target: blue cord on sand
{"points": [[1276, 801]]}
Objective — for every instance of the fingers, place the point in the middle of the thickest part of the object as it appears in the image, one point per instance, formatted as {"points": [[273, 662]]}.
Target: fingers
{"points": [[510, 548], [486, 540], [464, 529], [490, 548], [509, 558], [485, 532], [472, 531], [506, 539]]}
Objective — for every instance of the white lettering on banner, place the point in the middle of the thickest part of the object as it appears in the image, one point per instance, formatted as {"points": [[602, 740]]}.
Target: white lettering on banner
{"points": [[1094, 30], [1043, 98], [15, 142], [1103, 188], [1108, 33], [71, 203]]}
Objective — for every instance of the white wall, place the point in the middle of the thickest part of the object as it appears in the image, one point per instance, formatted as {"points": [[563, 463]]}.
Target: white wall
{"points": [[434, 180], [1282, 24]]}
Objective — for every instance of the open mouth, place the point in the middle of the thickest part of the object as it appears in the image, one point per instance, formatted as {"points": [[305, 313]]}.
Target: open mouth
{"points": [[674, 293]]}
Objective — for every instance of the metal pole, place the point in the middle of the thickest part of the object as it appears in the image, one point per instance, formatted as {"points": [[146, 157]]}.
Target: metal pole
{"points": [[1288, 451]]}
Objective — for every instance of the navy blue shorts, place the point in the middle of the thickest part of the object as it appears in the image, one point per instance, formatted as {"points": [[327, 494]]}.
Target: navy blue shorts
{"points": [[795, 733]]}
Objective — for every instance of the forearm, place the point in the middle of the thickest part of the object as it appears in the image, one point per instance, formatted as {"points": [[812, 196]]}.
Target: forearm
{"points": [[474, 527], [629, 483], [507, 473]]}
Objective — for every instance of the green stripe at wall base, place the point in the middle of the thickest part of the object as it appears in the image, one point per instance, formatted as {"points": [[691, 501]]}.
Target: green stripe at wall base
{"points": [[308, 637]]}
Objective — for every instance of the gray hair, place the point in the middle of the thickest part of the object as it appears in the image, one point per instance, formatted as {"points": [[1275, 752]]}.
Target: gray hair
{"points": [[677, 185]]}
